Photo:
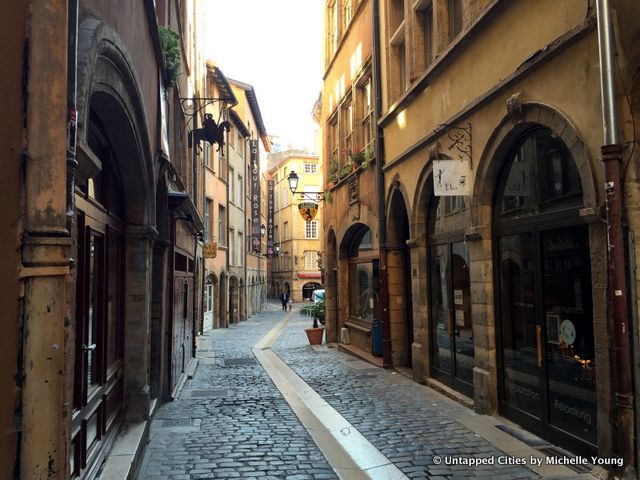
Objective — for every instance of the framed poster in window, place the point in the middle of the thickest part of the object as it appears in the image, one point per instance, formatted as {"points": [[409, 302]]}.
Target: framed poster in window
{"points": [[553, 328]]}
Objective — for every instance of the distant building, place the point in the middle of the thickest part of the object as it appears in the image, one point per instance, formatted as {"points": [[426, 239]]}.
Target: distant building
{"points": [[298, 241]]}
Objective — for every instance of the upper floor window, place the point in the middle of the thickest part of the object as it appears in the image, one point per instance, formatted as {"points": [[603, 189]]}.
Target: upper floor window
{"points": [[310, 168], [310, 260], [311, 229], [396, 14], [347, 126], [231, 184], [333, 33], [348, 13], [222, 225], [206, 155], [366, 112], [455, 18], [424, 14]]}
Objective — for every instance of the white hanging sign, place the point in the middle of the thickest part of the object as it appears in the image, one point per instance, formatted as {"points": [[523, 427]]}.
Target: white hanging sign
{"points": [[451, 178]]}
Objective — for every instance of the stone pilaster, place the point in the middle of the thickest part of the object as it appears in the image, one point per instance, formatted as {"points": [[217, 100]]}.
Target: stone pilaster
{"points": [[137, 354]]}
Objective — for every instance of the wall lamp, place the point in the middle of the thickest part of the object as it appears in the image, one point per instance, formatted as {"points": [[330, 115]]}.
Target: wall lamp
{"points": [[293, 186]]}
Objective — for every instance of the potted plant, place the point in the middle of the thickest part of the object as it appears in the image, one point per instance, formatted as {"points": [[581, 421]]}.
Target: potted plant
{"points": [[315, 310]]}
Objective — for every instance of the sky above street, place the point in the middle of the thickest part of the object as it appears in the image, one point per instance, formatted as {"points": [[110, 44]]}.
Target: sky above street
{"points": [[275, 46]]}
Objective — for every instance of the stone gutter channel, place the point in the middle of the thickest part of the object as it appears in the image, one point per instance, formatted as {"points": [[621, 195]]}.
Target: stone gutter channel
{"points": [[348, 452]]}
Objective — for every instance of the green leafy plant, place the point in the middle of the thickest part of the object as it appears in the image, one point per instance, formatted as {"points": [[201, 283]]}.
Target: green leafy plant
{"points": [[170, 45], [328, 196], [334, 167], [315, 310], [362, 158], [347, 168]]}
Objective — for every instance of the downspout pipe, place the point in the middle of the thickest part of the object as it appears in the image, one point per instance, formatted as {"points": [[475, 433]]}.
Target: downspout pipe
{"points": [[382, 220], [611, 152], [72, 62]]}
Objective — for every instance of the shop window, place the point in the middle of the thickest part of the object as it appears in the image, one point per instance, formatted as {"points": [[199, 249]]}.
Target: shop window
{"points": [[363, 279], [544, 309], [452, 345]]}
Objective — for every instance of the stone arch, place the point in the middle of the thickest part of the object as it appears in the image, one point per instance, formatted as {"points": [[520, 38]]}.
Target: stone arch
{"points": [[108, 85], [110, 104], [366, 218], [501, 141], [398, 188]]}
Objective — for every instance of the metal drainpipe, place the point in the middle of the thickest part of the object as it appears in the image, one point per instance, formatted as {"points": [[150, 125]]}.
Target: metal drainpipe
{"points": [[611, 156], [72, 62], [382, 221]]}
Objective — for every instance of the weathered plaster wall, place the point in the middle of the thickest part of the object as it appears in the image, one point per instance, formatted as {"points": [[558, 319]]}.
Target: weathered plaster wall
{"points": [[13, 27]]}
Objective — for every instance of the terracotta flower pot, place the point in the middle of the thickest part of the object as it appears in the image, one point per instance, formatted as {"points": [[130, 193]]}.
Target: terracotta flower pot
{"points": [[315, 335], [331, 185]]}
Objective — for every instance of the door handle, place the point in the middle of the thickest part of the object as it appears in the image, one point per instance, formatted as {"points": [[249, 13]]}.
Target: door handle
{"points": [[449, 323], [539, 344], [88, 348]]}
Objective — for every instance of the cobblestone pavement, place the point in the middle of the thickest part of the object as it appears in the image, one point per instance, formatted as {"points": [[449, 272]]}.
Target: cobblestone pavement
{"points": [[407, 422], [237, 423]]}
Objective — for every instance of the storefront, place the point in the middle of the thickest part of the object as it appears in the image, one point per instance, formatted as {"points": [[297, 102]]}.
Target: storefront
{"points": [[452, 345], [544, 311]]}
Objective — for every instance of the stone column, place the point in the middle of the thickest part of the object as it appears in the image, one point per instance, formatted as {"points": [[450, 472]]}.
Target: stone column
{"points": [[485, 371], [137, 341], [420, 293], [397, 317], [46, 246]]}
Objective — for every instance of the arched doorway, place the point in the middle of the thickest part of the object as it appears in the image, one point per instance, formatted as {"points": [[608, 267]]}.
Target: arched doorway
{"points": [[209, 303], [308, 288], [234, 299], [101, 293], [242, 306], [452, 344], [544, 308], [399, 268], [222, 302]]}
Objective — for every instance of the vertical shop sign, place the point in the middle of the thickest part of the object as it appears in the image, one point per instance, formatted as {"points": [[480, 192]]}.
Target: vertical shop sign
{"points": [[255, 194], [270, 189]]}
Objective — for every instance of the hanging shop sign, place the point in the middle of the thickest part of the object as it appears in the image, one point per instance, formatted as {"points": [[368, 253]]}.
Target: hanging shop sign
{"points": [[308, 210], [271, 185], [451, 178], [210, 250], [255, 193]]}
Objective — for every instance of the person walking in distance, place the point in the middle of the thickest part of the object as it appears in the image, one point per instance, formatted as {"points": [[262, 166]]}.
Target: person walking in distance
{"points": [[284, 298]]}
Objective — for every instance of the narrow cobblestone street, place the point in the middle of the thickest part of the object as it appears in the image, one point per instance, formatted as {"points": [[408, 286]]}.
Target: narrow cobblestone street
{"points": [[231, 421]]}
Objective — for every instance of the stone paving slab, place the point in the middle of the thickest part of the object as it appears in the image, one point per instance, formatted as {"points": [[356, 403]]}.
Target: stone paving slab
{"points": [[231, 421], [239, 426]]}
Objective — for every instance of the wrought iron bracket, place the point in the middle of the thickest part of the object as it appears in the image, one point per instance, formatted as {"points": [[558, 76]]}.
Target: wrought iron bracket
{"points": [[193, 105], [461, 140], [311, 196]]}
